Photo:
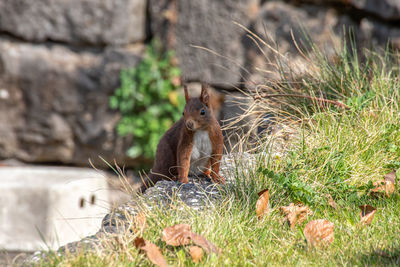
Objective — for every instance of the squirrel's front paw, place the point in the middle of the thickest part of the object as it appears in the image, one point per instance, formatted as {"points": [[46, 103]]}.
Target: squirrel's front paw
{"points": [[217, 178], [207, 173], [183, 180]]}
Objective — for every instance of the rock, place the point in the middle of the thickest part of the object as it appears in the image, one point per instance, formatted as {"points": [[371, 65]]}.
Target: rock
{"points": [[75, 21], [275, 24], [55, 103], [206, 23], [235, 107], [385, 9], [376, 33]]}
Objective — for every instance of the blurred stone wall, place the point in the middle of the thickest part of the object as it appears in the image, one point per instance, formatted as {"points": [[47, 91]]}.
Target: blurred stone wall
{"points": [[60, 60]]}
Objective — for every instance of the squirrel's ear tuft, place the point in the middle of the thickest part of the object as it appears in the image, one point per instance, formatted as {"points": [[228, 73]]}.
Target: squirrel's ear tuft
{"points": [[186, 92], [204, 96]]}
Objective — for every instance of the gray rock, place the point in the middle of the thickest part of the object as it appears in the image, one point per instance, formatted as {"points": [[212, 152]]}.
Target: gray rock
{"points": [[376, 33], [235, 107], [197, 194], [278, 24], [55, 103], [385, 9], [206, 23], [75, 21]]}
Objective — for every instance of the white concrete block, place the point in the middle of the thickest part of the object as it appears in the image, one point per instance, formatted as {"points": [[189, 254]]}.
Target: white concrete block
{"points": [[43, 207]]}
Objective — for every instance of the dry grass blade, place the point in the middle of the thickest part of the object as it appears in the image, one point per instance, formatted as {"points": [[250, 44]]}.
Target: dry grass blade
{"points": [[196, 253], [367, 214], [177, 235], [204, 243], [262, 203], [319, 232], [152, 251], [139, 222], [318, 100], [295, 214]]}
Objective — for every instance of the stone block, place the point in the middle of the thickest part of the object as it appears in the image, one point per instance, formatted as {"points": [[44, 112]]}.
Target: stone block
{"points": [[47, 207], [54, 103], [75, 21], [181, 25]]}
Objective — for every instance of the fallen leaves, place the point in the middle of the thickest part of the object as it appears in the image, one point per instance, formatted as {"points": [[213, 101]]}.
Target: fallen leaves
{"points": [[262, 203], [367, 214], [204, 243], [177, 235], [319, 232], [383, 188], [152, 251], [196, 253], [386, 187], [181, 235], [295, 213]]}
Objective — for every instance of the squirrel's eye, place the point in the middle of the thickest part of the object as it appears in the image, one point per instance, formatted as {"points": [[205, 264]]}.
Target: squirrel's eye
{"points": [[202, 112], [183, 113]]}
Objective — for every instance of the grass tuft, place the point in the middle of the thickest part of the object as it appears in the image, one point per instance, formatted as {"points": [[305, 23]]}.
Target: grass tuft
{"points": [[329, 150]]}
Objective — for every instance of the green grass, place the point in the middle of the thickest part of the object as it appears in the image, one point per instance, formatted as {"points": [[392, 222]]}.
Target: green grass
{"points": [[339, 152]]}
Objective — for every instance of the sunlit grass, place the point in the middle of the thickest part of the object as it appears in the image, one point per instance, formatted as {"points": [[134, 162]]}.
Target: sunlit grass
{"points": [[338, 151]]}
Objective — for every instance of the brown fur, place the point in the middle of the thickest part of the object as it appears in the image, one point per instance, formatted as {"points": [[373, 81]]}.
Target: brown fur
{"points": [[175, 147]]}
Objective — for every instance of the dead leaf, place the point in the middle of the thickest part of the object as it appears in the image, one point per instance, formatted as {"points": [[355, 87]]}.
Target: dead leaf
{"points": [[367, 214], [152, 251], [177, 235], [295, 213], [383, 188], [319, 232], [262, 203], [196, 253], [331, 202], [204, 243], [391, 177], [181, 235]]}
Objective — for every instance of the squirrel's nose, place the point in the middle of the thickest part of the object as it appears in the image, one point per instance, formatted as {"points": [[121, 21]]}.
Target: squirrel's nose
{"points": [[190, 125]]}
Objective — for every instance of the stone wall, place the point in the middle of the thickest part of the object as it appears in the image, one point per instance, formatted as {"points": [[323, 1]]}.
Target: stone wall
{"points": [[60, 60]]}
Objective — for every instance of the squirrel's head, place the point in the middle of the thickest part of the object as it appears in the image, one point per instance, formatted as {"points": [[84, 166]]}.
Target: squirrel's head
{"points": [[197, 114]]}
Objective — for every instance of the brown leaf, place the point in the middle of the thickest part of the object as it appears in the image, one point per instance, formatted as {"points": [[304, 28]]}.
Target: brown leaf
{"points": [[319, 232], [177, 235], [262, 203], [152, 251], [391, 177], [331, 202], [382, 188], [295, 213], [204, 243], [367, 214], [196, 253]]}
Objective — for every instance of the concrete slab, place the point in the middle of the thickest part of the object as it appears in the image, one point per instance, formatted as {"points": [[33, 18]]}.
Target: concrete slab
{"points": [[47, 207]]}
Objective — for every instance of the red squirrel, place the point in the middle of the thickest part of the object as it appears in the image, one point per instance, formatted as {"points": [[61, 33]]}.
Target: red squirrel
{"points": [[193, 145]]}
